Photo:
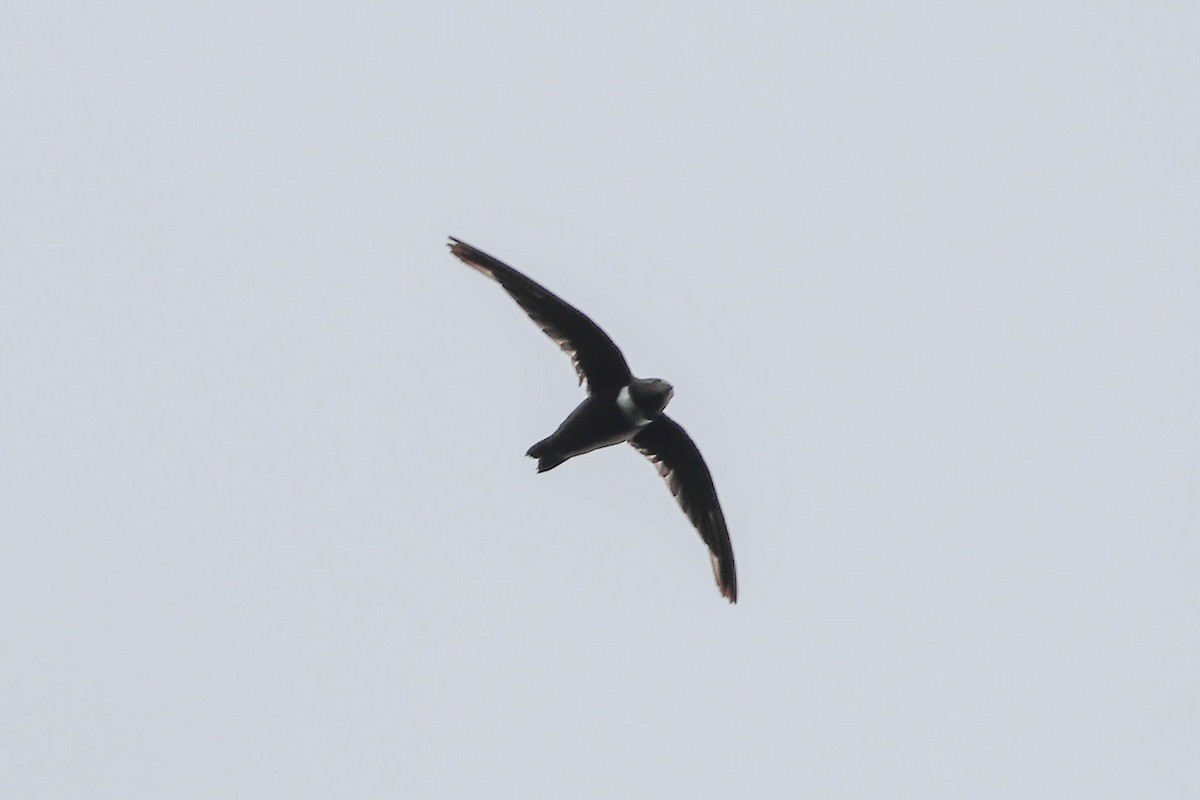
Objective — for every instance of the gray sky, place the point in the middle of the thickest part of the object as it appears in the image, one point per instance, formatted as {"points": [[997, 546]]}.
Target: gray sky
{"points": [[926, 282]]}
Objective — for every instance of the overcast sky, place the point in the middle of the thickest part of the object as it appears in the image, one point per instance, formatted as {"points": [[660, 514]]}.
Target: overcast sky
{"points": [[926, 282]]}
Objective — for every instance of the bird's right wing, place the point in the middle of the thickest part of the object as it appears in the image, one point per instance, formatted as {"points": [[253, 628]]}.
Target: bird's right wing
{"points": [[594, 355], [669, 448]]}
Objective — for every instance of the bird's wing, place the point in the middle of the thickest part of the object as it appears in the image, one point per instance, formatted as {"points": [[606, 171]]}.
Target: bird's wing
{"points": [[669, 448], [593, 354]]}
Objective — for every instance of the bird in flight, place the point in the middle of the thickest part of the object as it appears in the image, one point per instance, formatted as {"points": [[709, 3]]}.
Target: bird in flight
{"points": [[618, 408]]}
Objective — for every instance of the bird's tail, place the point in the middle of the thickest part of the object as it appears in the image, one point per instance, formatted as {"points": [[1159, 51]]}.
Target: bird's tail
{"points": [[544, 453]]}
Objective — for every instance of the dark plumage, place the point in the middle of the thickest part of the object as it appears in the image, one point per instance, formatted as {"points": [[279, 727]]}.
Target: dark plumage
{"points": [[618, 408]]}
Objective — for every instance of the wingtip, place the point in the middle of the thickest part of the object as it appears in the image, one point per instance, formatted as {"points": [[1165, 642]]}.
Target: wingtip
{"points": [[460, 248], [729, 593], [473, 257], [726, 585]]}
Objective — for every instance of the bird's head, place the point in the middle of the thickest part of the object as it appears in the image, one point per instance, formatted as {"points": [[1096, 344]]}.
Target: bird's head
{"points": [[651, 395]]}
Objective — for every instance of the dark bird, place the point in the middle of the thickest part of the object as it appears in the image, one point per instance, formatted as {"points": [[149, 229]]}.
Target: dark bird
{"points": [[618, 408]]}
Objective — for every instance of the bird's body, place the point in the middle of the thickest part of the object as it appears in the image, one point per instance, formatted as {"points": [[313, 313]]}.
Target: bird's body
{"points": [[596, 422], [601, 420], [619, 408]]}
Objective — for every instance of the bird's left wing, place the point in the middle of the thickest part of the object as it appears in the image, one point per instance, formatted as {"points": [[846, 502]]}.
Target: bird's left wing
{"points": [[669, 448], [593, 354]]}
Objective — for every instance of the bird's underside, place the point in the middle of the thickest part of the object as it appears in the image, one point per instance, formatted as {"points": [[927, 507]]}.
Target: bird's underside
{"points": [[618, 408], [595, 423]]}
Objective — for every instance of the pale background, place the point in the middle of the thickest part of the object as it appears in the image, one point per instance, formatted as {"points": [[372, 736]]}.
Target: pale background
{"points": [[925, 278]]}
